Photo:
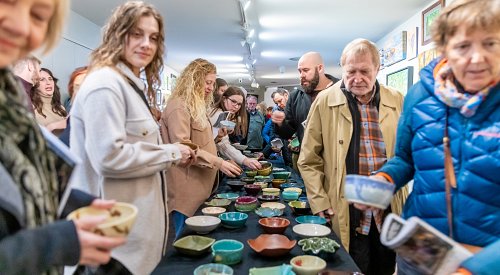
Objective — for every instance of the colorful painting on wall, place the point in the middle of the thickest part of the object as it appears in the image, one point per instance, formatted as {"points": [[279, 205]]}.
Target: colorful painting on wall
{"points": [[412, 43], [428, 16], [401, 80], [425, 57], [395, 49]]}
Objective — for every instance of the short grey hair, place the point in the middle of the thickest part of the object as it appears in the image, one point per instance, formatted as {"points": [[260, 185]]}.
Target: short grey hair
{"points": [[360, 46], [280, 91]]}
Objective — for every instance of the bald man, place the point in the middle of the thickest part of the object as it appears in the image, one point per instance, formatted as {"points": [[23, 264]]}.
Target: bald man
{"points": [[313, 80]]}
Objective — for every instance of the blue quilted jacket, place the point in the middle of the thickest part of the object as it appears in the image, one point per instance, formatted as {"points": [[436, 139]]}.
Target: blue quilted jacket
{"points": [[475, 149]]}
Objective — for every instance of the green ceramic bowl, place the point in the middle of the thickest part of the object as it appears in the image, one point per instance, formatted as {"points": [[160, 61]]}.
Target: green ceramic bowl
{"points": [[281, 175], [193, 245]]}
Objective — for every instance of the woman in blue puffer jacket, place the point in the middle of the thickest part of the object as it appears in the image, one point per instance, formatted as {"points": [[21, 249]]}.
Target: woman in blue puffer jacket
{"points": [[459, 92]]}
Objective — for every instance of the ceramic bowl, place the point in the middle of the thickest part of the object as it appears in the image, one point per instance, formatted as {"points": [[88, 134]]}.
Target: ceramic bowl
{"points": [[218, 202], [293, 189], [265, 198], [266, 169], [274, 225], [219, 269], [262, 178], [262, 184], [303, 198], [277, 182], [247, 180], [279, 169], [310, 219], [272, 245], [319, 245], [227, 251], [119, 219], [300, 207], [233, 219], [281, 175], [365, 190], [235, 185], [229, 196], [311, 230], [290, 195], [273, 205], [266, 212], [202, 224], [229, 125], [213, 211], [251, 173], [193, 245], [292, 184], [271, 191], [283, 269], [307, 265], [252, 189], [246, 204], [240, 146]]}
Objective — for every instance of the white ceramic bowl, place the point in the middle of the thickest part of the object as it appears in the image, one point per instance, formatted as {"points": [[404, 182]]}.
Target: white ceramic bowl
{"points": [[229, 125], [365, 190], [213, 211], [119, 219], [273, 205], [202, 224], [307, 265], [311, 230]]}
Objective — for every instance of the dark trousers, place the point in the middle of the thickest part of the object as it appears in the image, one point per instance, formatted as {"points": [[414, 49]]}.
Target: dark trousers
{"points": [[369, 254]]}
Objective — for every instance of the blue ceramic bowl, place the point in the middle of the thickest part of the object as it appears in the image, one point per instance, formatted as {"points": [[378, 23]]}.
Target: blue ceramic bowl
{"points": [[290, 195], [213, 269], [293, 184], [233, 219], [267, 212], [303, 198], [229, 196], [281, 175], [365, 190], [227, 251], [310, 219]]}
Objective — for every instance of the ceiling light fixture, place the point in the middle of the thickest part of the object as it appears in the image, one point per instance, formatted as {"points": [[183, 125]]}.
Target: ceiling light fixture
{"points": [[248, 40]]}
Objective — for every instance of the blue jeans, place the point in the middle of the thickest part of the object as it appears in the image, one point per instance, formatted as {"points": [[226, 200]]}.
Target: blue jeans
{"points": [[179, 223]]}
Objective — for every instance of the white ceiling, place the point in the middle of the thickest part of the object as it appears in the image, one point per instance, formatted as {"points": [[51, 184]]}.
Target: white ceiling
{"points": [[212, 29]]}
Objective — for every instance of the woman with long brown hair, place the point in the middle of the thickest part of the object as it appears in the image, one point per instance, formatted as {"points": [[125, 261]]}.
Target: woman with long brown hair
{"points": [[185, 119], [46, 99], [115, 134]]}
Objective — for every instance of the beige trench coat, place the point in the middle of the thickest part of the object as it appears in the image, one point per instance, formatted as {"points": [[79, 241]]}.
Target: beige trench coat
{"points": [[188, 188], [324, 150]]}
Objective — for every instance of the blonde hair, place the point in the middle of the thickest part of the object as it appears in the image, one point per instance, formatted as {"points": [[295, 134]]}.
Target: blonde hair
{"points": [[190, 88], [56, 24], [124, 18], [473, 14], [360, 46]]}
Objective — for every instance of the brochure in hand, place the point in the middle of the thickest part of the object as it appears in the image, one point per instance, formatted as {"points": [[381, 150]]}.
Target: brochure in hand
{"points": [[422, 245]]}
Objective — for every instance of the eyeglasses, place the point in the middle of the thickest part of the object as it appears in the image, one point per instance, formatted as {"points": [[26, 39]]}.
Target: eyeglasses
{"points": [[234, 102]]}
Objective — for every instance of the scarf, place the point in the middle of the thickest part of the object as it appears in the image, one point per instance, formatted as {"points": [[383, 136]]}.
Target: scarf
{"points": [[24, 155], [451, 93]]}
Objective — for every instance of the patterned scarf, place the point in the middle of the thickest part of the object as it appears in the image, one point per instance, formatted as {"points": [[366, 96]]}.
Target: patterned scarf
{"points": [[453, 95], [24, 155]]}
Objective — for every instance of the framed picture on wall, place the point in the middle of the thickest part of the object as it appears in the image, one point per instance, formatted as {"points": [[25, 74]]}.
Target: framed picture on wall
{"points": [[395, 49], [401, 80], [412, 43], [428, 16]]}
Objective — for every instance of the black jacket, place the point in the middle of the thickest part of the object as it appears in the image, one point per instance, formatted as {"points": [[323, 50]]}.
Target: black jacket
{"points": [[296, 111]]}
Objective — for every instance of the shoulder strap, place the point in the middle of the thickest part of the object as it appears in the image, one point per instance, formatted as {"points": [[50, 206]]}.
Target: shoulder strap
{"points": [[450, 179], [141, 94]]}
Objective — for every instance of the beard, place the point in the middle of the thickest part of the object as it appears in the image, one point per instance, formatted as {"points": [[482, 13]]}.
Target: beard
{"points": [[309, 89]]}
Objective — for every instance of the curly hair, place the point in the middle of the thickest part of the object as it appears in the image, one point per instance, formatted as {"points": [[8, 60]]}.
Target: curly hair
{"points": [[241, 117], [124, 18], [56, 98], [190, 88]]}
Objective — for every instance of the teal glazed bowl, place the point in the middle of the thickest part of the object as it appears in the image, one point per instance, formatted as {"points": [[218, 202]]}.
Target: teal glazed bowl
{"points": [[281, 175], [229, 196], [310, 219], [290, 195], [233, 219], [227, 251], [220, 269]]}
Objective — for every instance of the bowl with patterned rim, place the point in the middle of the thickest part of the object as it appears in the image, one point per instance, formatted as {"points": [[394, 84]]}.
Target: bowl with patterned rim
{"points": [[272, 245], [319, 246], [246, 204]]}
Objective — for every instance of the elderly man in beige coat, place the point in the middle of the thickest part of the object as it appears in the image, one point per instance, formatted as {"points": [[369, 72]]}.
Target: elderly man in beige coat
{"points": [[351, 129]]}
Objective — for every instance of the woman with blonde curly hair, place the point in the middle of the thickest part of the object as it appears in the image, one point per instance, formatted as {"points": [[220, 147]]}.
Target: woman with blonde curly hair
{"points": [[115, 134], [185, 119]]}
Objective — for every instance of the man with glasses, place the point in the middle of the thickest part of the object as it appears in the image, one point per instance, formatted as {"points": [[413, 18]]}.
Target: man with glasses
{"points": [[313, 80]]}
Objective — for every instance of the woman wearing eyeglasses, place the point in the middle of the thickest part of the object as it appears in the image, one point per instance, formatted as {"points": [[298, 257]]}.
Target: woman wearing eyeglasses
{"points": [[231, 101]]}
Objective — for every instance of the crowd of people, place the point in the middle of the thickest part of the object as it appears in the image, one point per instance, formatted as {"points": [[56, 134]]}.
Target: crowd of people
{"points": [[444, 135]]}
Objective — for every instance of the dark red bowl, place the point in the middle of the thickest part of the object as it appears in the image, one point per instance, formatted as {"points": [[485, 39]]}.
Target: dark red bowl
{"points": [[252, 189]]}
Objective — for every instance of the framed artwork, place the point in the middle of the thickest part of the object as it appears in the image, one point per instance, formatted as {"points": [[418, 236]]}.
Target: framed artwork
{"points": [[401, 80], [428, 16], [173, 80], [395, 49], [412, 43], [425, 57]]}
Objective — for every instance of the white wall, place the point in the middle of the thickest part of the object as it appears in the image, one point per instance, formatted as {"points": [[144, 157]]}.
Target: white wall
{"points": [[79, 38]]}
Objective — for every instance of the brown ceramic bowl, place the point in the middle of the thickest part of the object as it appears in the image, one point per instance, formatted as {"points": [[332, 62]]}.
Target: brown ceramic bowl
{"points": [[272, 245], [252, 189], [266, 169], [274, 225], [277, 182]]}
